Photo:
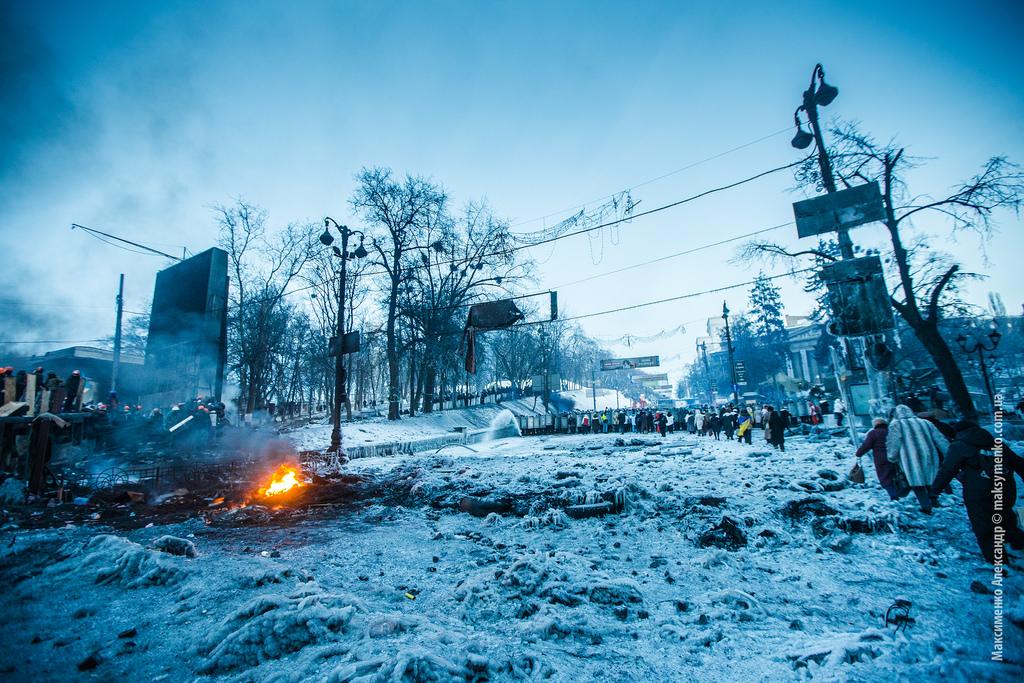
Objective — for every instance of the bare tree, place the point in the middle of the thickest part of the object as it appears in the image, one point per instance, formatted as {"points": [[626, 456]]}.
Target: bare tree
{"points": [[465, 260], [396, 212], [322, 274], [927, 279], [261, 266]]}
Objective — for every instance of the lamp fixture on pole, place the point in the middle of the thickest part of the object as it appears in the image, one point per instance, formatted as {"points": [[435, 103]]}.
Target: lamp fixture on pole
{"points": [[820, 94], [981, 349], [340, 392]]}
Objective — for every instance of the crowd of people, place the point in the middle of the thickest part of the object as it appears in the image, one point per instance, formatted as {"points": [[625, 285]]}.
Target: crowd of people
{"points": [[45, 392], [62, 395], [920, 454], [717, 422]]}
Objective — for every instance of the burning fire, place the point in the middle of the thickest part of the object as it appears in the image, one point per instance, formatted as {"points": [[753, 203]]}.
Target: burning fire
{"points": [[285, 479]]}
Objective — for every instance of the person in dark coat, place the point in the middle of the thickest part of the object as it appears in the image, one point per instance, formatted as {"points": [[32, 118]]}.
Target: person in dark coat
{"points": [[662, 424], [886, 471], [729, 423], [715, 423], [915, 404], [776, 429], [971, 457], [73, 383]]}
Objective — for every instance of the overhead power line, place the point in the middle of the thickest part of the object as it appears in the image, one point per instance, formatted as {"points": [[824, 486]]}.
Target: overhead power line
{"points": [[645, 304], [661, 177], [673, 298], [566, 235], [675, 255], [146, 251]]}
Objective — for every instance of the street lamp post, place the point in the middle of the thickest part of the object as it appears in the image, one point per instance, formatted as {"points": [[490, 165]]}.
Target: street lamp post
{"points": [[979, 347], [707, 372], [340, 397], [820, 93], [728, 346]]}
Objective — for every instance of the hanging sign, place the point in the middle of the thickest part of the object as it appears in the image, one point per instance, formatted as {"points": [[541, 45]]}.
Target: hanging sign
{"points": [[630, 363], [844, 209]]}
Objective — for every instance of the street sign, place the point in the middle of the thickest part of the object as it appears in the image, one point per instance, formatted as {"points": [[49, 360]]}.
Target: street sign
{"points": [[847, 208], [857, 297], [349, 344], [630, 363], [651, 379], [741, 373], [538, 381]]}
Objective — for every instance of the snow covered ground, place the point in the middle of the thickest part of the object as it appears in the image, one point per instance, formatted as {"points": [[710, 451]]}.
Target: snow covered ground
{"points": [[423, 426], [726, 562]]}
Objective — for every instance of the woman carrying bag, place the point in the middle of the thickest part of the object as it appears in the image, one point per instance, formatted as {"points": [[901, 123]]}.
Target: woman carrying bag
{"points": [[886, 471]]}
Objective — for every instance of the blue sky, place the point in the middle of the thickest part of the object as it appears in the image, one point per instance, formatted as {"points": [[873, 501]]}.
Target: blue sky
{"points": [[136, 118]]}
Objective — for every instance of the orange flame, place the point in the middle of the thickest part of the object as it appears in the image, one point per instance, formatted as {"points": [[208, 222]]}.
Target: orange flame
{"points": [[285, 479]]}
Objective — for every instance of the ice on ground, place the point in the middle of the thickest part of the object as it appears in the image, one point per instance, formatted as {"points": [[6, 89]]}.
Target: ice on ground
{"points": [[115, 560], [530, 593], [271, 626], [521, 588]]}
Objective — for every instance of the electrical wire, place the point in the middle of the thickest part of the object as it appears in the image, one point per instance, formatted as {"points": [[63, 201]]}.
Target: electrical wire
{"points": [[34, 304], [566, 235], [661, 177], [118, 246], [672, 256], [645, 304], [671, 299], [148, 251]]}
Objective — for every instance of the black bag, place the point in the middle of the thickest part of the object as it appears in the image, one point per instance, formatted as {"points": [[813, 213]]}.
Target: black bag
{"points": [[856, 474]]}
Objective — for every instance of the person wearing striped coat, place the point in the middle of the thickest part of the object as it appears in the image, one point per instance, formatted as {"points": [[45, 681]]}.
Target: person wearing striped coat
{"points": [[915, 445]]}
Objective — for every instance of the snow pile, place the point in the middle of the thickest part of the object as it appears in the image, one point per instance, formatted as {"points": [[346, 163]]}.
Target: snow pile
{"points": [[414, 664], [420, 664], [530, 585], [272, 626], [834, 651], [115, 560]]}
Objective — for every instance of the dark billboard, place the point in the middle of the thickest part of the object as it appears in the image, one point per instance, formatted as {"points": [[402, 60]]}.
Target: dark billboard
{"points": [[187, 346]]}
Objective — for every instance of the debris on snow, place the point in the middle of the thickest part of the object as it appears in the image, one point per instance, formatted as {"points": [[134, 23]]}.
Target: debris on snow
{"points": [[557, 578], [175, 546], [553, 518], [727, 535]]}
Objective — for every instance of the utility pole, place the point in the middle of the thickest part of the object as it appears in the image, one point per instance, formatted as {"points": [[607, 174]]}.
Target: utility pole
{"points": [[340, 393], [732, 361], [707, 373], [593, 388], [821, 93], [115, 366]]}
